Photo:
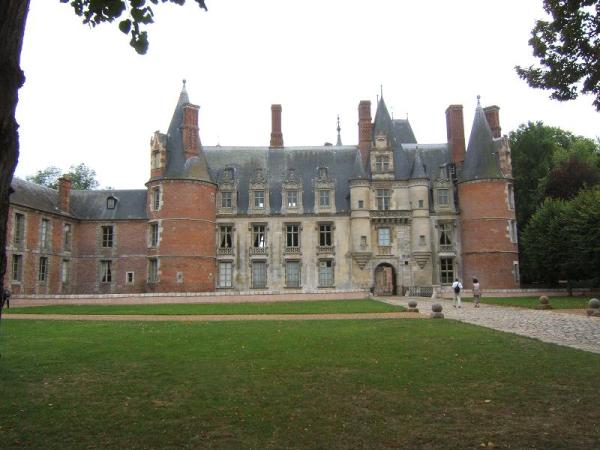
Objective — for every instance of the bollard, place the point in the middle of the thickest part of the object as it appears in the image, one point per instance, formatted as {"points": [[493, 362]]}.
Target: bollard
{"points": [[593, 308], [544, 303], [412, 306], [436, 313]]}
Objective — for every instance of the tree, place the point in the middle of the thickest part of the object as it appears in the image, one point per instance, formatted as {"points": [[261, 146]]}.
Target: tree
{"points": [[82, 177], [570, 177], [568, 48], [13, 15]]}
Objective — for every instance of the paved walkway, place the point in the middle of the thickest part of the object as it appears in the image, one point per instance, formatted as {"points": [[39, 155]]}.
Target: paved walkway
{"points": [[562, 328]]}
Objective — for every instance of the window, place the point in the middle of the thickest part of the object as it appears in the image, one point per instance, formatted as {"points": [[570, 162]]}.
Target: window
{"points": [[129, 277], [325, 235], [19, 229], [445, 234], [156, 199], [326, 273], [292, 274], [259, 236], [382, 163], [44, 233], [259, 274], [511, 197], [65, 271], [152, 270], [225, 274], [292, 199], [446, 270], [226, 236], [324, 198], [228, 173], [322, 172], [363, 241], [153, 235], [107, 236], [361, 204], [442, 197], [384, 236], [422, 241], [512, 231], [259, 199], [67, 236], [383, 199], [420, 203], [155, 159], [43, 269], [292, 236], [226, 197], [17, 268], [111, 203], [105, 271]]}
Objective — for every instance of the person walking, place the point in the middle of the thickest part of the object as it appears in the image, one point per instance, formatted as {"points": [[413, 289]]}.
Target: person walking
{"points": [[456, 287], [476, 292]]}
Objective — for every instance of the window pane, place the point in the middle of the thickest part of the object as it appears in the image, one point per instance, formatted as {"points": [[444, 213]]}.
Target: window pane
{"points": [[325, 235], [292, 274], [105, 271], [226, 240], [107, 236], [259, 199], [384, 236], [325, 273], [292, 199], [259, 274], [17, 267], [19, 229], [225, 274], [259, 236], [446, 270], [156, 199], [43, 269], [292, 236], [442, 196], [226, 199], [324, 198]]}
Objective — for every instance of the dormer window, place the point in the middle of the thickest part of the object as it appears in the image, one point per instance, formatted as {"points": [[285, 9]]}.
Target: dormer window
{"points": [[228, 173], [382, 163], [322, 172], [156, 159], [292, 199], [259, 199], [111, 202]]}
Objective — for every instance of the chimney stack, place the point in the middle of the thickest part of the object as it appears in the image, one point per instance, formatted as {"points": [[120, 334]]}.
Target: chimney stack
{"points": [[455, 129], [492, 114], [189, 127], [364, 130], [276, 135], [64, 194]]}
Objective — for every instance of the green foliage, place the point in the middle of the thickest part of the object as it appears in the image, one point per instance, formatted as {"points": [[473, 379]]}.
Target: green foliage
{"points": [[82, 177], [568, 49], [562, 239], [571, 175], [139, 14]]}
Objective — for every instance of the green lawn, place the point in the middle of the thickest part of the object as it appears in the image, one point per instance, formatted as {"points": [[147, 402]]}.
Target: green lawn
{"points": [[533, 302], [302, 384], [296, 307]]}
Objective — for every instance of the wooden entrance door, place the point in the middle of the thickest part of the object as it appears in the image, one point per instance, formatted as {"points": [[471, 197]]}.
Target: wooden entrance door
{"points": [[384, 280]]}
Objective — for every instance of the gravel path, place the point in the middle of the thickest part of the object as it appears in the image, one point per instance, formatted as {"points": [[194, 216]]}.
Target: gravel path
{"points": [[554, 326]]}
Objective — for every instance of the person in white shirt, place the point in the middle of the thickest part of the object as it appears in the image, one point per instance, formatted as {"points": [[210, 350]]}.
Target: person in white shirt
{"points": [[456, 287]]}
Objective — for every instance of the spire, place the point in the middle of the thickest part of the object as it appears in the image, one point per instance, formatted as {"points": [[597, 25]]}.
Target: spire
{"points": [[358, 170], [383, 121], [339, 138], [481, 159], [418, 169]]}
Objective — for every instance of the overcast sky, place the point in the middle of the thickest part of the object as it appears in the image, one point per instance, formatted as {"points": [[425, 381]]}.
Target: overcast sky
{"points": [[90, 98]]}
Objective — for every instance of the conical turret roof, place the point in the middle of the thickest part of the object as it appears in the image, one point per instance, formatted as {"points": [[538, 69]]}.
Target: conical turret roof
{"points": [[383, 121], [418, 169], [481, 159]]}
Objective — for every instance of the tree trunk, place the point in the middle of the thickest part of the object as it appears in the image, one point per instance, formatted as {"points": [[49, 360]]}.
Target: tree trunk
{"points": [[13, 14]]}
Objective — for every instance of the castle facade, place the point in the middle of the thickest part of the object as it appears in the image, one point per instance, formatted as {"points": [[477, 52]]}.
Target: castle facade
{"points": [[388, 215]]}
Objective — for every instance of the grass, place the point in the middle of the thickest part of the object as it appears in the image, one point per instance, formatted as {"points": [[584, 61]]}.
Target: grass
{"points": [[302, 384], [533, 302], [296, 307]]}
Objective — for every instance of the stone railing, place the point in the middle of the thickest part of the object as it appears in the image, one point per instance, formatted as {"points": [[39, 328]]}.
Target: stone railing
{"points": [[259, 251], [447, 248], [384, 250], [329, 249], [225, 251], [292, 250]]}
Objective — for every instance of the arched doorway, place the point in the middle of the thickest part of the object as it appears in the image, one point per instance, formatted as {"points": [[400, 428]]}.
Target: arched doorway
{"points": [[385, 279]]}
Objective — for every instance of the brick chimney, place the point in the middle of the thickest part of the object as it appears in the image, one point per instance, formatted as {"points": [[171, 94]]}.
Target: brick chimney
{"points": [[189, 128], [276, 135], [64, 194], [365, 127], [455, 129], [492, 114]]}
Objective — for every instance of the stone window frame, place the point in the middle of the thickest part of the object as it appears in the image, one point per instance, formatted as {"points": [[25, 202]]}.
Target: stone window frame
{"points": [[107, 236], [446, 273], [228, 185], [258, 184], [220, 273], [390, 234], [320, 184], [361, 204], [446, 233], [513, 231], [157, 150], [291, 184], [45, 234], [19, 229], [220, 235], [156, 199], [67, 236], [443, 183], [105, 271], [258, 263], [382, 162], [286, 235], [43, 269], [154, 232], [129, 277], [291, 203], [380, 198], [287, 278], [510, 196], [16, 268], [443, 201], [321, 233], [153, 271], [65, 271], [331, 267], [226, 199], [254, 234]]}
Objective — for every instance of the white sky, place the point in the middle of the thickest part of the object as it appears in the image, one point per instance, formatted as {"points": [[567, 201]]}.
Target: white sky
{"points": [[90, 98]]}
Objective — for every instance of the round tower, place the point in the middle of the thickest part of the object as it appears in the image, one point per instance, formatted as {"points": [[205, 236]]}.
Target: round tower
{"points": [[487, 213], [181, 208]]}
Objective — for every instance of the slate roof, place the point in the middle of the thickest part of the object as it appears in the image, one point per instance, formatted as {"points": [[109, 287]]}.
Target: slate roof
{"points": [[481, 159], [339, 160], [34, 196], [398, 131]]}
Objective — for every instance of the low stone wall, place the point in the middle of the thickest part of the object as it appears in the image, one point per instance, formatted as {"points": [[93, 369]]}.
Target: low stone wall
{"points": [[448, 294]]}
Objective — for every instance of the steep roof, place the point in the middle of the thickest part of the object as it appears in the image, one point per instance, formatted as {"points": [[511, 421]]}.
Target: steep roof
{"points": [[481, 159], [34, 196], [432, 157]]}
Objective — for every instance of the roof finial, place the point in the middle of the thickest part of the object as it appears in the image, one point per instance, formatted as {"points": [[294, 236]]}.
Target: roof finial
{"points": [[381, 89], [479, 101], [339, 138], [392, 108], [183, 89]]}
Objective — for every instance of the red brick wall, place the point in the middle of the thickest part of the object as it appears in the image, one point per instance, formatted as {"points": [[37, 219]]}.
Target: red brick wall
{"points": [[487, 252]]}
